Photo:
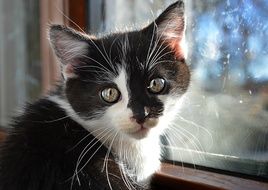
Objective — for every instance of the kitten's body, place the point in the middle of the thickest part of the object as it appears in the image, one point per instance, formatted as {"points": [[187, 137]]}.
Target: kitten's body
{"points": [[101, 128], [42, 153]]}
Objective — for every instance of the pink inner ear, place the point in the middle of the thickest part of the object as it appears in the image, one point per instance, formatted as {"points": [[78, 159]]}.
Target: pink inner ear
{"points": [[172, 32], [68, 71], [175, 45]]}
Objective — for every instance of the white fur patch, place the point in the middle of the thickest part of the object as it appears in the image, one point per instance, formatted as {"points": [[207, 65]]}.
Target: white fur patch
{"points": [[119, 113]]}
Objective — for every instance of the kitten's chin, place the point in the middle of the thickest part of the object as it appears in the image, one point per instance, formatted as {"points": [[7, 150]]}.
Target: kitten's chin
{"points": [[140, 133]]}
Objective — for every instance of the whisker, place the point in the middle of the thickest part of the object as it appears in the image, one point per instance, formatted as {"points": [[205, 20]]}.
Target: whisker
{"points": [[110, 50], [109, 60], [100, 64], [58, 119], [192, 142], [150, 46], [106, 160], [198, 126], [102, 143], [156, 43], [170, 140], [157, 53], [86, 136], [122, 154], [156, 62], [82, 154], [91, 67], [187, 147], [68, 18], [175, 127]]}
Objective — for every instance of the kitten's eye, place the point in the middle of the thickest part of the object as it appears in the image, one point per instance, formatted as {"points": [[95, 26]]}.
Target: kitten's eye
{"points": [[156, 85], [110, 95]]}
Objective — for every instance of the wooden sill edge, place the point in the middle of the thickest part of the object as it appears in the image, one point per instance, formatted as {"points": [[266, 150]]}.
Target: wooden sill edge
{"points": [[177, 177], [2, 134]]}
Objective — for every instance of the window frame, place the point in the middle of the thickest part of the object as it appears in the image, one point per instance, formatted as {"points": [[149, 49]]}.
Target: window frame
{"points": [[221, 162], [173, 177]]}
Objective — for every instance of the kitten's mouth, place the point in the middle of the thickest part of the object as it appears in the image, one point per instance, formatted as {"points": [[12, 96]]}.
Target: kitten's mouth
{"points": [[141, 132], [142, 129]]}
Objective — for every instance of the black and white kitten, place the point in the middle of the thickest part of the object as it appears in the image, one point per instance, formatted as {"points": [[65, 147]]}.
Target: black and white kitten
{"points": [[101, 128]]}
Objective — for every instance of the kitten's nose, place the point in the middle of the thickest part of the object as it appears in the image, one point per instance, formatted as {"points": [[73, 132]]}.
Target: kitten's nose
{"points": [[139, 120], [141, 116]]}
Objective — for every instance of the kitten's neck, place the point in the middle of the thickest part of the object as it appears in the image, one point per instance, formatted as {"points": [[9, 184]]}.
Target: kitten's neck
{"points": [[139, 158]]}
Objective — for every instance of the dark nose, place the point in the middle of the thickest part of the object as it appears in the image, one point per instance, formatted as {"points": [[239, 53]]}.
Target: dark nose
{"points": [[141, 116], [139, 119]]}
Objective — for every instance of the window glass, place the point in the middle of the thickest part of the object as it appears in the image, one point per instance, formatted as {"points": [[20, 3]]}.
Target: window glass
{"points": [[223, 122], [20, 72]]}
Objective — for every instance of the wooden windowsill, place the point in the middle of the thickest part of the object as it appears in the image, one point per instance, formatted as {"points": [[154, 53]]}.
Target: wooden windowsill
{"points": [[2, 135], [177, 177]]}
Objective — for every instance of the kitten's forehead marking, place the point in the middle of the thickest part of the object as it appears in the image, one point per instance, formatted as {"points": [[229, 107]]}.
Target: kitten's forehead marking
{"points": [[121, 82]]}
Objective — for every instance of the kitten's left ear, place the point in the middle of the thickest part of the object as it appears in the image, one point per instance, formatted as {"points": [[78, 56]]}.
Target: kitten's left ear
{"points": [[70, 46], [169, 27]]}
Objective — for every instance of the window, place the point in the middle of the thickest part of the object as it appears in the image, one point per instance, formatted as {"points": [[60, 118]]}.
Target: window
{"points": [[27, 64], [223, 122], [224, 118], [20, 68]]}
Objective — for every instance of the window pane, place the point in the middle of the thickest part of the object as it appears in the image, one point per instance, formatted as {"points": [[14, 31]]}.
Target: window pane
{"points": [[223, 122], [19, 55]]}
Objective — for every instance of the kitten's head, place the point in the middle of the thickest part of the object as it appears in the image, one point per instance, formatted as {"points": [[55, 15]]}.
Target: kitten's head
{"points": [[126, 82]]}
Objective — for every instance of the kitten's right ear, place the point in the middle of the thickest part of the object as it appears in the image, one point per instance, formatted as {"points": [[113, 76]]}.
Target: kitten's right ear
{"points": [[169, 27], [70, 47]]}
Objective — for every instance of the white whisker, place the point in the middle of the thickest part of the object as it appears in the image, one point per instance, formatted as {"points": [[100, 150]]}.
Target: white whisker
{"points": [[195, 146], [198, 126], [106, 160], [83, 139], [85, 151]]}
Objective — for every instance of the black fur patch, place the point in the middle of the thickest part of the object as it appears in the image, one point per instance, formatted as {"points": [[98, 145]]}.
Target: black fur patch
{"points": [[41, 152]]}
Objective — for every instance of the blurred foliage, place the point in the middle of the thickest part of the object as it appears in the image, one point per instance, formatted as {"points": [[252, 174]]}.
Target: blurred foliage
{"points": [[229, 45]]}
